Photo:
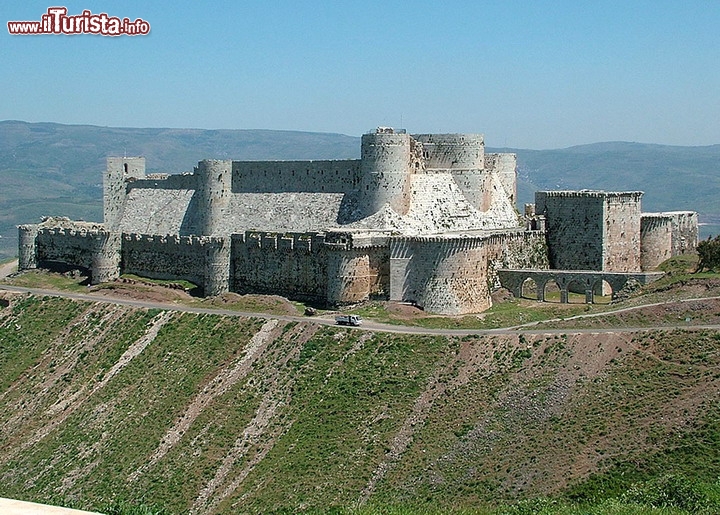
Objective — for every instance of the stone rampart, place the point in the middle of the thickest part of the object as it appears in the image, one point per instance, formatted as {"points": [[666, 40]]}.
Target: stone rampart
{"points": [[666, 235], [327, 269], [174, 257], [290, 264], [656, 238], [88, 247]]}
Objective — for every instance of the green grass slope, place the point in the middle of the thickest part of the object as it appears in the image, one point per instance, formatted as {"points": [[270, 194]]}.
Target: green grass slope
{"points": [[109, 405]]}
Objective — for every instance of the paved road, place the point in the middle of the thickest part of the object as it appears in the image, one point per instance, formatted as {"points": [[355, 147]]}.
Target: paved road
{"points": [[368, 325]]}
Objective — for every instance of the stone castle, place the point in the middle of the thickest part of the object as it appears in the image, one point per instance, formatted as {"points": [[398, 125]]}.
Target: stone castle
{"points": [[427, 219]]}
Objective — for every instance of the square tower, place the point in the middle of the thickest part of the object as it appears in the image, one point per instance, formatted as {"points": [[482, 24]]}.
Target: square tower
{"points": [[592, 230]]}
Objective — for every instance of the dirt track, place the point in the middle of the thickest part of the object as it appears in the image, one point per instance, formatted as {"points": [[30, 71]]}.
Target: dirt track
{"points": [[8, 268]]}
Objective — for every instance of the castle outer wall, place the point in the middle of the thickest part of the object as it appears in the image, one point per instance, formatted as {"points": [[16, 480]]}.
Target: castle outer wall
{"points": [[666, 235]]}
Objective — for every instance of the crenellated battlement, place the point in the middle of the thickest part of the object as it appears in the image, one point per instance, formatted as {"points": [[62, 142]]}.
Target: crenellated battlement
{"points": [[173, 239], [305, 242], [80, 232], [591, 194]]}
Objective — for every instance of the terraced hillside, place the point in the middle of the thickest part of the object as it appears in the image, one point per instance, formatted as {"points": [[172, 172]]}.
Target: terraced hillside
{"points": [[219, 414]]}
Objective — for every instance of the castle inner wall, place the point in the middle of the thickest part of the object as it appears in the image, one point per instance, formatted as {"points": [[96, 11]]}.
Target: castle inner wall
{"points": [[332, 176]]}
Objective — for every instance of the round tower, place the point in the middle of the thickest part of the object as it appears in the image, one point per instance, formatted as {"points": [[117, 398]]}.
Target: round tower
{"points": [[213, 189], [453, 151], [119, 170], [462, 155], [105, 264], [217, 267], [385, 170], [27, 257]]}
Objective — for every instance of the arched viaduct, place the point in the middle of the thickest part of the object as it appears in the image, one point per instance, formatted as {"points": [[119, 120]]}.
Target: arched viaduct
{"points": [[589, 281]]}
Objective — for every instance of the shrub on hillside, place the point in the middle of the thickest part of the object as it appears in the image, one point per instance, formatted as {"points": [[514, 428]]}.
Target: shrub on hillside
{"points": [[709, 253]]}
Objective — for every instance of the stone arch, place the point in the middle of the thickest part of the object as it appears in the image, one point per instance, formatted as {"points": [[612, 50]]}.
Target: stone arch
{"points": [[552, 290], [529, 289], [603, 291], [577, 289]]}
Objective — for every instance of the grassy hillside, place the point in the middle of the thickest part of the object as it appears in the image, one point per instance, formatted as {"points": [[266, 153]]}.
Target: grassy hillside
{"points": [[108, 404]]}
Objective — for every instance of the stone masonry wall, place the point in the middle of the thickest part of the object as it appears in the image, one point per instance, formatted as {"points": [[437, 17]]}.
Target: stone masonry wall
{"points": [[621, 238], [292, 264], [92, 248], [685, 232], [325, 269], [165, 257], [656, 240], [453, 151], [456, 275], [666, 235], [574, 222], [119, 170], [339, 176], [505, 166], [160, 205]]}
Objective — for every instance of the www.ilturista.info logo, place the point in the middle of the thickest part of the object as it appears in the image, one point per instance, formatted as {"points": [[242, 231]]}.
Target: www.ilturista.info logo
{"points": [[57, 21]]}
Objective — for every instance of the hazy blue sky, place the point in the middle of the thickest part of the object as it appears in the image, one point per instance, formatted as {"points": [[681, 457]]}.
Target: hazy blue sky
{"points": [[527, 74]]}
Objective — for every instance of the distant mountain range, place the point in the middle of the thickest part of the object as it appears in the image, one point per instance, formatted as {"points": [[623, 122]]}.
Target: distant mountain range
{"points": [[56, 169]]}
